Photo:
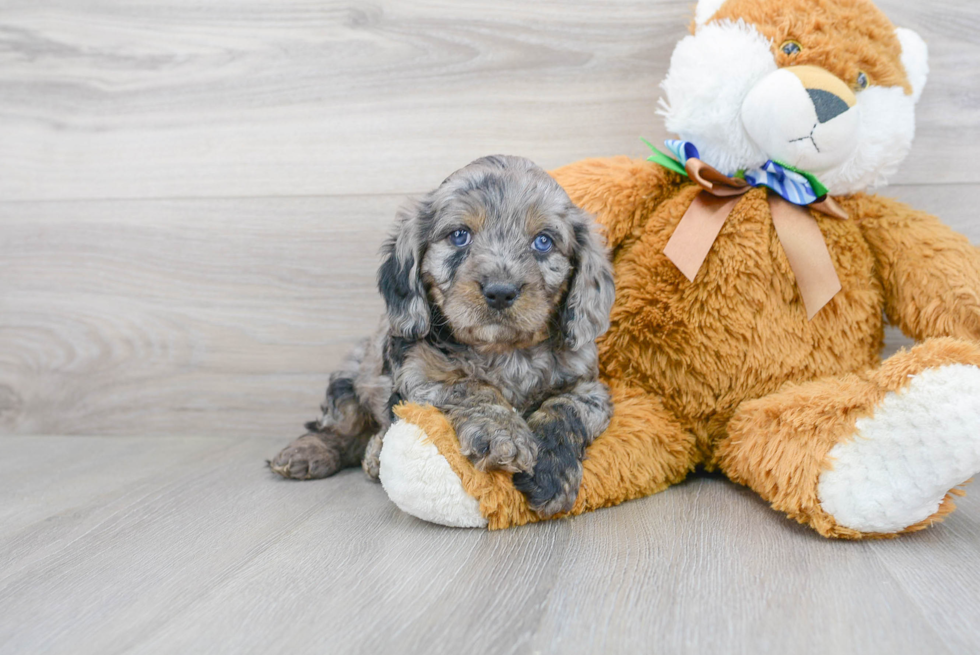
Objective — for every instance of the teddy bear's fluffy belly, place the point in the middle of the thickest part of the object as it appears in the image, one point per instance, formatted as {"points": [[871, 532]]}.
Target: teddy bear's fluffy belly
{"points": [[739, 331]]}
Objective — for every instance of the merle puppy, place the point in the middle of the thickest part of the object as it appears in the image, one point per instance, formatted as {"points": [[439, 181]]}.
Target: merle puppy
{"points": [[496, 288]]}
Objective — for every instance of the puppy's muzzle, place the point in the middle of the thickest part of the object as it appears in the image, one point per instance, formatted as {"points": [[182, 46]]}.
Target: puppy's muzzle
{"points": [[500, 295]]}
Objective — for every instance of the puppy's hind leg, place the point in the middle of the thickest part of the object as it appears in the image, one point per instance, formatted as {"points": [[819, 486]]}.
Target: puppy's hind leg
{"points": [[335, 441]]}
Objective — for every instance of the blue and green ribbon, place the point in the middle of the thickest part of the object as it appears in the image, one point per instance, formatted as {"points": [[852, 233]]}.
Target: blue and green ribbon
{"points": [[792, 184]]}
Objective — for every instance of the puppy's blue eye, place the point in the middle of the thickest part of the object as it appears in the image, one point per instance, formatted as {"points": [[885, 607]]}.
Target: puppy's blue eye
{"points": [[460, 238], [542, 243]]}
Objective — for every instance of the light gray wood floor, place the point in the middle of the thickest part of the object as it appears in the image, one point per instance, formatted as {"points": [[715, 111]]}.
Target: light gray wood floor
{"points": [[185, 544], [192, 194]]}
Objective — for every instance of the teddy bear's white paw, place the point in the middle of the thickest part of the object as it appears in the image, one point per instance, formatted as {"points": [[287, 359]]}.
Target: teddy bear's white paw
{"points": [[921, 441], [420, 481]]}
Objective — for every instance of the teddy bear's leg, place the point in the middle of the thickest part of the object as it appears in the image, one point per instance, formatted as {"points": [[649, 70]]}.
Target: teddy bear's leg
{"points": [[865, 455], [643, 451]]}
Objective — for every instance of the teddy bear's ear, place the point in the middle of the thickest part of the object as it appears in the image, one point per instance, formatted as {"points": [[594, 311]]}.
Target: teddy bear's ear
{"points": [[705, 10], [915, 59]]}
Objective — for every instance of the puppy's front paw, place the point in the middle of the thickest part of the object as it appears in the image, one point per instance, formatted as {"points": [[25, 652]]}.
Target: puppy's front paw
{"points": [[496, 438], [553, 486], [307, 458], [371, 463]]}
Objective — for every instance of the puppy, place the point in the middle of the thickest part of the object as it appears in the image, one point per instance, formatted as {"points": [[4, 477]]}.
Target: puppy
{"points": [[496, 288]]}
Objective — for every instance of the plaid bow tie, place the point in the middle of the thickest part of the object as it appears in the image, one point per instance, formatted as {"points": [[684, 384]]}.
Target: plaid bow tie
{"points": [[795, 192]]}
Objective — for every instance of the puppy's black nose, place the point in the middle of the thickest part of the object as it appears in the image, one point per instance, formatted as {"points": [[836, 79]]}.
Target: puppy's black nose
{"points": [[500, 295]]}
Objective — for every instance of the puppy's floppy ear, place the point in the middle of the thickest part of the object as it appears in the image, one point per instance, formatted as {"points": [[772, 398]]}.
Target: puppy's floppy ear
{"points": [[400, 275], [585, 314]]}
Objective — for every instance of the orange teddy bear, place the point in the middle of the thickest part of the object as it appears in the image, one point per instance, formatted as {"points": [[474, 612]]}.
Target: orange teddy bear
{"points": [[752, 344]]}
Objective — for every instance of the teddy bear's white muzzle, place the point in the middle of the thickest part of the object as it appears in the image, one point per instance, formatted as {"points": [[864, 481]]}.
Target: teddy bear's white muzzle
{"points": [[802, 116]]}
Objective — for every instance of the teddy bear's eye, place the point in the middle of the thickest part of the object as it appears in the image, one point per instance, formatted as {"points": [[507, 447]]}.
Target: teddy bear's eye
{"points": [[791, 47], [862, 80]]}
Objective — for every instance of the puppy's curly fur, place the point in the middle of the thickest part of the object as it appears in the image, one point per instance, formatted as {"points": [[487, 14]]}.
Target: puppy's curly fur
{"points": [[496, 287]]}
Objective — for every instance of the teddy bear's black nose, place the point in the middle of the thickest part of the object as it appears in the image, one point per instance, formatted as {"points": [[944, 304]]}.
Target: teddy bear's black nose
{"points": [[828, 105], [500, 295]]}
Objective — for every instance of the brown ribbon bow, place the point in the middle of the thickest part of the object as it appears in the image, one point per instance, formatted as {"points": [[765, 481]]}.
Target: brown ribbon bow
{"points": [[796, 228]]}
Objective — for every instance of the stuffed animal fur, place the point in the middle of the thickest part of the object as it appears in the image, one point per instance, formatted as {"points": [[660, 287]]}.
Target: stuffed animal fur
{"points": [[726, 371]]}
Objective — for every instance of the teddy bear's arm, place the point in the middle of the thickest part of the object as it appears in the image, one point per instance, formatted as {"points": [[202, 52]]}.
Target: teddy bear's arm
{"points": [[620, 191], [930, 274]]}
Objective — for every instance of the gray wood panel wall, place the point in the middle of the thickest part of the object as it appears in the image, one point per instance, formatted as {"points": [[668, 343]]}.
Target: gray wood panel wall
{"points": [[192, 194]]}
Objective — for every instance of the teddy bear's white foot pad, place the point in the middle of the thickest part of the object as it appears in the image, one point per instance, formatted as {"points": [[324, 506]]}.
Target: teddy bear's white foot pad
{"points": [[921, 442], [420, 481]]}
